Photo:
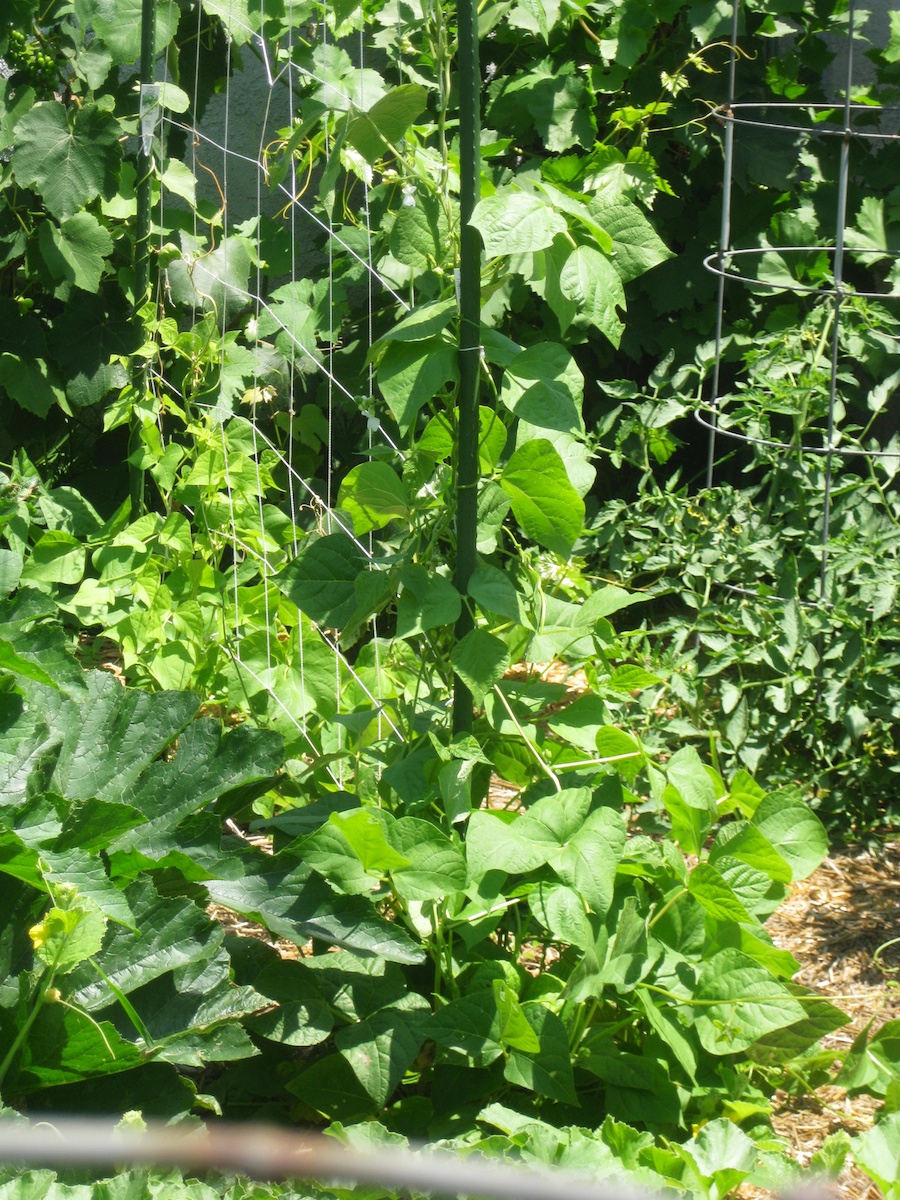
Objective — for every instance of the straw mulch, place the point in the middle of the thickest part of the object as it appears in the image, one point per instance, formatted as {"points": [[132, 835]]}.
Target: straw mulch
{"points": [[834, 924]]}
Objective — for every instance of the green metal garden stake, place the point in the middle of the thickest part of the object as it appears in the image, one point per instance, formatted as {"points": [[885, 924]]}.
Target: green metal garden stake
{"points": [[469, 297]]}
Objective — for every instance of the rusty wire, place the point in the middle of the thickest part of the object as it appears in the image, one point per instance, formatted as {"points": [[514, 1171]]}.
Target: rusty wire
{"points": [[267, 1152]]}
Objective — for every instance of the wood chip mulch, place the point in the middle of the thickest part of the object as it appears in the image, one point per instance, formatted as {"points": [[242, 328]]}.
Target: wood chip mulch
{"points": [[834, 923]]}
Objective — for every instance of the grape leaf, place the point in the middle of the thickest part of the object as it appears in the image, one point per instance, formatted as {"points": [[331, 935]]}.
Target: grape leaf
{"points": [[69, 156]]}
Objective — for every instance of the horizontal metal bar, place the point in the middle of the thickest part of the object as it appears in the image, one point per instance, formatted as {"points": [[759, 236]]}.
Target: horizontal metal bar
{"points": [[267, 1152]]}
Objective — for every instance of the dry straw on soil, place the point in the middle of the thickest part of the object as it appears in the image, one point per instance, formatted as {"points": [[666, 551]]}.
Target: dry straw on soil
{"points": [[834, 924]]}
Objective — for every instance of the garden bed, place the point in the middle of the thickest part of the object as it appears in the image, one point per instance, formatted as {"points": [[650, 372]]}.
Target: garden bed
{"points": [[834, 923]]}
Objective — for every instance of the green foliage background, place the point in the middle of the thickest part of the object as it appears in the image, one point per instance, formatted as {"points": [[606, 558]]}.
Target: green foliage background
{"points": [[582, 977]]}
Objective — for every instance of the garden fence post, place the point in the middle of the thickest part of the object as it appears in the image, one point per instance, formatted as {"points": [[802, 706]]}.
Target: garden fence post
{"points": [[469, 298], [727, 118]]}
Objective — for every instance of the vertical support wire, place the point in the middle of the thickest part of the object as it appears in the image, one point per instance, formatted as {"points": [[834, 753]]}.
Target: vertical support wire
{"points": [[329, 526], [840, 226], [148, 107], [469, 296], [266, 570], [371, 420], [724, 243], [292, 393], [238, 554]]}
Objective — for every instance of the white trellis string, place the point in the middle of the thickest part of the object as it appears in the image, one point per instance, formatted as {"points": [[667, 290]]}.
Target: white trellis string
{"points": [[300, 726], [329, 473], [231, 538], [307, 213], [226, 529]]}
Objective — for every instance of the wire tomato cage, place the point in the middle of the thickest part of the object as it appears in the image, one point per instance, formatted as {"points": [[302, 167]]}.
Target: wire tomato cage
{"points": [[807, 272]]}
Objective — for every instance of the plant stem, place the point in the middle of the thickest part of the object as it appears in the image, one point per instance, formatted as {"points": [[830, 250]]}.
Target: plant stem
{"points": [[45, 982], [548, 771], [127, 1006], [665, 908], [713, 752]]}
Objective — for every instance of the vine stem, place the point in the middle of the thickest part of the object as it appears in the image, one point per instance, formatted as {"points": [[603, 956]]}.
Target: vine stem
{"points": [[811, 1091], [127, 1006], [876, 957], [665, 908], [545, 767], [57, 999], [45, 982], [692, 1002]]}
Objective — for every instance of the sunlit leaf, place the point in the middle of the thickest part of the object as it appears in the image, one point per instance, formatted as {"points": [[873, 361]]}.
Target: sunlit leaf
{"points": [[545, 504]]}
